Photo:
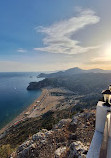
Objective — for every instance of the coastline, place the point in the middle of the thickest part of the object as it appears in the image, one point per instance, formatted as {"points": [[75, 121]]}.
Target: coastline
{"points": [[21, 117], [50, 99]]}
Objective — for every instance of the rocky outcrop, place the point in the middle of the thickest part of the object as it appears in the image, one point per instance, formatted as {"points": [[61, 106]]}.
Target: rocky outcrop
{"points": [[62, 123], [77, 149], [60, 152], [68, 139], [41, 84]]}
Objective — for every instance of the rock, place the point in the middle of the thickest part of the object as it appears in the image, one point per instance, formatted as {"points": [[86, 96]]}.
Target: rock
{"points": [[33, 146], [73, 136], [82, 156], [20, 148], [62, 123], [88, 144], [27, 143], [49, 133], [73, 151], [3, 135], [88, 123], [74, 121], [38, 136], [60, 151], [44, 130], [87, 115], [43, 142], [73, 124], [77, 149], [13, 155], [24, 153]]}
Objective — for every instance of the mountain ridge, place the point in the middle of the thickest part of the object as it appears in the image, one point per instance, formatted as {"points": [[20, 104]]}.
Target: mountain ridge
{"points": [[72, 71]]}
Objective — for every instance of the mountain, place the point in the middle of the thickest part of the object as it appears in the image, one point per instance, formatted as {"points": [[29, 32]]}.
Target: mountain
{"points": [[72, 71], [98, 71], [51, 75]]}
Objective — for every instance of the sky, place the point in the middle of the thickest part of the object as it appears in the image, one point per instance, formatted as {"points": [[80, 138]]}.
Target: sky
{"points": [[46, 35]]}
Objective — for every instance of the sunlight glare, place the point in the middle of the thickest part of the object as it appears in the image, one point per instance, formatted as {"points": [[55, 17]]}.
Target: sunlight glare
{"points": [[107, 51]]}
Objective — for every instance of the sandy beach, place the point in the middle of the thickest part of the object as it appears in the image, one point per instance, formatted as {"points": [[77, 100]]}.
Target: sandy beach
{"points": [[48, 100], [22, 115]]}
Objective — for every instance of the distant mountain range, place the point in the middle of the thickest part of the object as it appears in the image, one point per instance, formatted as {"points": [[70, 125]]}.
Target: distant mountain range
{"points": [[72, 71]]}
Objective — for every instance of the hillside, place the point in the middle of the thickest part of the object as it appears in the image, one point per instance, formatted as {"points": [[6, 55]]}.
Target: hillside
{"points": [[68, 138], [79, 83], [58, 104]]}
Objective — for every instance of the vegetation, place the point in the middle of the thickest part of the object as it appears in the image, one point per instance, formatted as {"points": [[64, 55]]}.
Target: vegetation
{"points": [[80, 83], [5, 151]]}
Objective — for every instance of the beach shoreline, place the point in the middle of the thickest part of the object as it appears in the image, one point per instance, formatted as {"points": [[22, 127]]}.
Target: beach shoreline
{"points": [[21, 117], [50, 99]]}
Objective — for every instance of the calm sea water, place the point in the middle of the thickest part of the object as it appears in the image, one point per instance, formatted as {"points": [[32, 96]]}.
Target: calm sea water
{"points": [[14, 97]]}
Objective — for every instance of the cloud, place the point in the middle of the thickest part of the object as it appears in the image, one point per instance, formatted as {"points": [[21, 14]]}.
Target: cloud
{"points": [[58, 36], [101, 59], [21, 50]]}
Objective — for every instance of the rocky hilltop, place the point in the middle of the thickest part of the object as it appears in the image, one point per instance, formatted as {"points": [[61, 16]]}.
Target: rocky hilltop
{"points": [[67, 139]]}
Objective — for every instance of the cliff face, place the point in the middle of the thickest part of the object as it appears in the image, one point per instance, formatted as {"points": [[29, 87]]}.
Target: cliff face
{"points": [[54, 82], [67, 139], [39, 85]]}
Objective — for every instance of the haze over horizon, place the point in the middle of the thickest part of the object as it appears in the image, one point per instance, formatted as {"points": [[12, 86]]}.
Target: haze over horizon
{"points": [[48, 36]]}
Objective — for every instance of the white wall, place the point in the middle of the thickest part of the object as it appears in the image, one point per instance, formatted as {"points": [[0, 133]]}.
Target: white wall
{"points": [[101, 113]]}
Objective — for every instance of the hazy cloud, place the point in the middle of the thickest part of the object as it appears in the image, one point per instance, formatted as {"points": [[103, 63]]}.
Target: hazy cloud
{"points": [[100, 59], [58, 36], [21, 50]]}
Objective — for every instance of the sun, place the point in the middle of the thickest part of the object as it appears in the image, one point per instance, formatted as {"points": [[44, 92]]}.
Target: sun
{"points": [[107, 51]]}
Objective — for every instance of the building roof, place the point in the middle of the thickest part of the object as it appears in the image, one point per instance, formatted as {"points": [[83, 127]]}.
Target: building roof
{"points": [[106, 92]]}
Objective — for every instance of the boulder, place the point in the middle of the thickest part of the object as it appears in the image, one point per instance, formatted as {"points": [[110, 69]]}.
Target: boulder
{"points": [[60, 151], [62, 123], [77, 149], [38, 136]]}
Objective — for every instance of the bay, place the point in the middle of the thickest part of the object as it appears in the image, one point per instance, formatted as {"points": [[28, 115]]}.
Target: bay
{"points": [[14, 97]]}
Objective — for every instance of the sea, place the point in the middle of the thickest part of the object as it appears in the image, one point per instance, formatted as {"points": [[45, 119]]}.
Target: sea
{"points": [[14, 96]]}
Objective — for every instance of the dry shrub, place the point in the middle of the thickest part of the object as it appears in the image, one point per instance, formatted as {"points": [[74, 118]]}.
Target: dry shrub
{"points": [[5, 151]]}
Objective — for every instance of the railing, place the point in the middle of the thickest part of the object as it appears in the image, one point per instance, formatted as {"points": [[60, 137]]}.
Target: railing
{"points": [[104, 145]]}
